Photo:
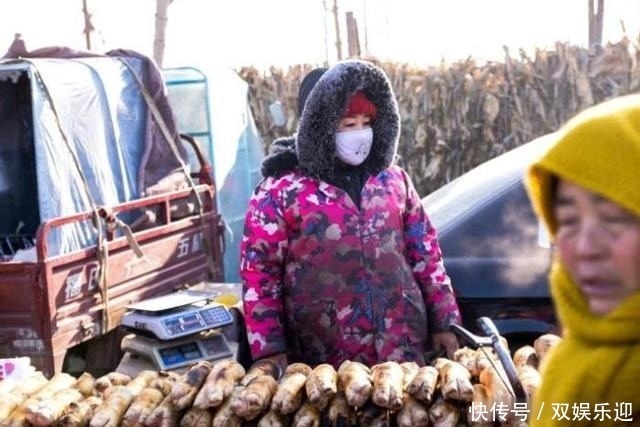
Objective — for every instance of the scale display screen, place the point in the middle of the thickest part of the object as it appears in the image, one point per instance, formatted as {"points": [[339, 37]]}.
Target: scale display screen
{"points": [[177, 326], [173, 355], [180, 354], [180, 322]]}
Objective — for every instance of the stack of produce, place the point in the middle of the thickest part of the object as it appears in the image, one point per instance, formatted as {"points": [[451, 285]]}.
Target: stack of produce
{"points": [[458, 115], [225, 394]]}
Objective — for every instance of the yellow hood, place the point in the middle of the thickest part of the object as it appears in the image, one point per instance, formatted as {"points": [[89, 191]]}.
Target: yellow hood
{"points": [[598, 149]]}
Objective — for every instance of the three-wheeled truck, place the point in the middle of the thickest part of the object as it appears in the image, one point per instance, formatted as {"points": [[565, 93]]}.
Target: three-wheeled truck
{"points": [[98, 208]]}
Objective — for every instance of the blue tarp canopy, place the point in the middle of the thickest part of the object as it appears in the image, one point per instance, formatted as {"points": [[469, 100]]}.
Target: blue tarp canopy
{"points": [[75, 132], [211, 104]]}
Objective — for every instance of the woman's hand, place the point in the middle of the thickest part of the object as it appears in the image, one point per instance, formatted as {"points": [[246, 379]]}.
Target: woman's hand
{"points": [[446, 340], [280, 360]]}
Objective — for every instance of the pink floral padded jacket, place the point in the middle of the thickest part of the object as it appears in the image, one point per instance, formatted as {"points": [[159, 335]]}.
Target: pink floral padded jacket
{"points": [[325, 280], [386, 286]]}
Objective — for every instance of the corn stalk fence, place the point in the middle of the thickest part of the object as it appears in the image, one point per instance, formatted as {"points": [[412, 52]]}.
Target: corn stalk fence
{"points": [[457, 116]]}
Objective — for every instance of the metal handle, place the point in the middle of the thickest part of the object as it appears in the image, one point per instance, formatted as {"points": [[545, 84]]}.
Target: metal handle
{"points": [[489, 328], [472, 340]]}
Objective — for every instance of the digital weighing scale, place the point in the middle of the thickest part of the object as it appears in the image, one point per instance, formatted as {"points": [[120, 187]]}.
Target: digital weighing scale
{"points": [[176, 330], [174, 354]]}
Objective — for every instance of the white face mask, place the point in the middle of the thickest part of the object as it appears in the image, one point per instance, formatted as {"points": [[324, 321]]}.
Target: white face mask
{"points": [[353, 146]]}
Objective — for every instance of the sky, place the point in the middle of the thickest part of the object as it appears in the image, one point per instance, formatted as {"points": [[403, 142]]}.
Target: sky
{"points": [[262, 33]]}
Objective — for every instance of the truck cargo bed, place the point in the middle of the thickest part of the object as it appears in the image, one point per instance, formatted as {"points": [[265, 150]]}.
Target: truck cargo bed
{"points": [[55, 302]]}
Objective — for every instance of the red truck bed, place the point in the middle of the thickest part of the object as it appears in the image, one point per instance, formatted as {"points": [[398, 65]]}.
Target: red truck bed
{"points": [[54, 303]]}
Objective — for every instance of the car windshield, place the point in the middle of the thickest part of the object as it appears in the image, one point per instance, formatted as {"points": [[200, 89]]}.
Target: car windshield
{"points": [[488, 232], [483, 184]]}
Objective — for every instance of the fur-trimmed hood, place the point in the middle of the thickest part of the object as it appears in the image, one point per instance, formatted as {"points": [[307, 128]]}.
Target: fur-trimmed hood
{"points": [[313, 147]]}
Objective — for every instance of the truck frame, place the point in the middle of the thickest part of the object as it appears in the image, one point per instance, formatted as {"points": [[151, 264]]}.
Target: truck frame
{"points": [[57, 301]]}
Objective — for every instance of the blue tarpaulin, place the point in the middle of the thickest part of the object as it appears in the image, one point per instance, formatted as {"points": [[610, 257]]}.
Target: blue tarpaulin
{"points": [[211, 104], [78, 134], [75, 132]]}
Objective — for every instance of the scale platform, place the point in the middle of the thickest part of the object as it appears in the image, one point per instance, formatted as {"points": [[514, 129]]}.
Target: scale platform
{"points": [[177, 315]]}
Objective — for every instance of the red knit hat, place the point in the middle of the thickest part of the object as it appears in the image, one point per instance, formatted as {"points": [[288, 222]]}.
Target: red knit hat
{"points": [[360, 104]]}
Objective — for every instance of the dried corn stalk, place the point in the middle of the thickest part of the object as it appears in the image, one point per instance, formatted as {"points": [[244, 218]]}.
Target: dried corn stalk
{"points": [[458, 115]]}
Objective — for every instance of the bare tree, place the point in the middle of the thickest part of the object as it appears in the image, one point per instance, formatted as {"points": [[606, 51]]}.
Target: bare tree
{"points": [[336, 21], [366, 28], [596, 15], [162, 6], [88, 26], [326, 33]]}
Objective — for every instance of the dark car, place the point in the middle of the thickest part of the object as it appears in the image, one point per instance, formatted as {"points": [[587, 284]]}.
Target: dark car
{"points": [[495, 250]]}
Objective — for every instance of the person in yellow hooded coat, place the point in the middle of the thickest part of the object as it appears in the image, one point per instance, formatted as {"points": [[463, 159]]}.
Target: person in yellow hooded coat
{"points": [[586, 190]]}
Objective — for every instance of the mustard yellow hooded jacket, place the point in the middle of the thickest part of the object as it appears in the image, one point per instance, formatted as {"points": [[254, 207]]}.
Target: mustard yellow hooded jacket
{"points": [[593, 376]]}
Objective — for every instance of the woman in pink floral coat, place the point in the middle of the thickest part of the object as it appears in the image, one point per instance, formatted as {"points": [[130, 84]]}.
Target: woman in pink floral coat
{"points": [[339, 260]]}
